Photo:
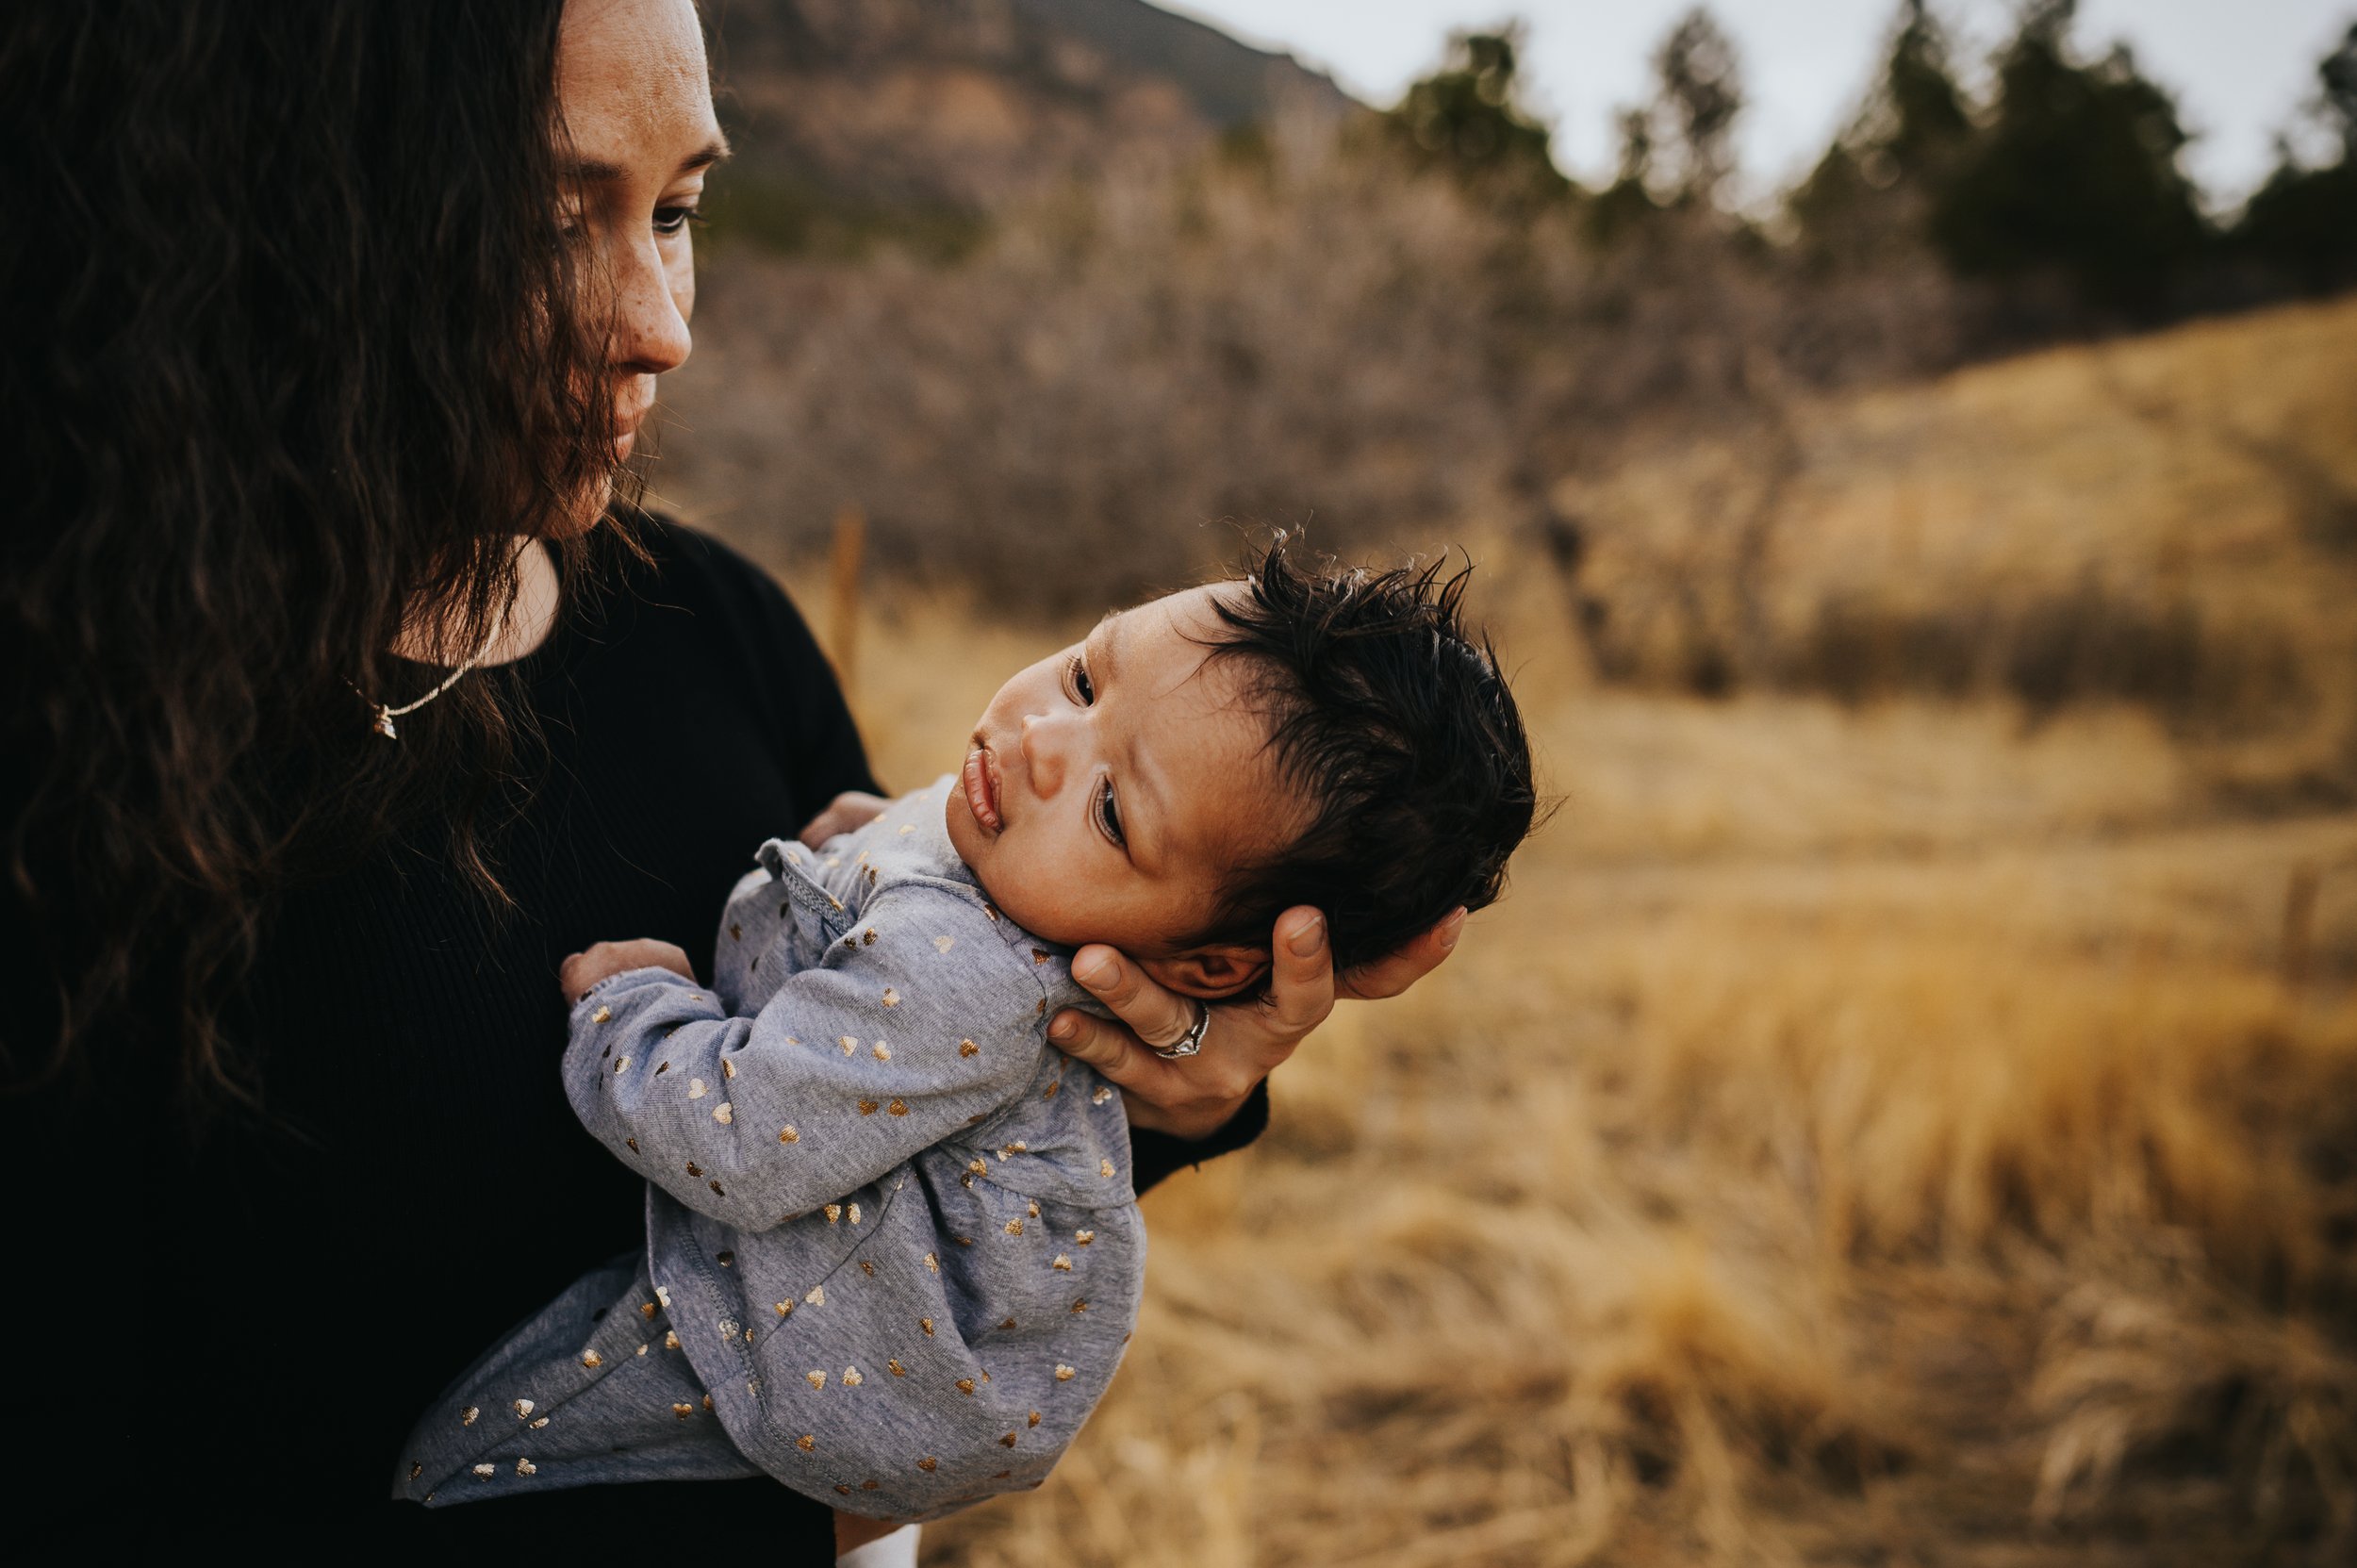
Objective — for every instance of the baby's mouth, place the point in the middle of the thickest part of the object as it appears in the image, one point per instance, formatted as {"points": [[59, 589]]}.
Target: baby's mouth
{"points": [[981, 778]]}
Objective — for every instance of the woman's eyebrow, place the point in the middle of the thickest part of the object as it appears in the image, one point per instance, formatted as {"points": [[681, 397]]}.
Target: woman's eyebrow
{"points": [[598, 170]]}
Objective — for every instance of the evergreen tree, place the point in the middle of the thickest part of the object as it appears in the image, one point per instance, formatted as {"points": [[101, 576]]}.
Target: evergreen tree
{"points": [[1468, 118], [1701, 97], [2302, 224], [1923, 114], [2075, 177], [1678, 150], [1870, 189], [1628, 200]]}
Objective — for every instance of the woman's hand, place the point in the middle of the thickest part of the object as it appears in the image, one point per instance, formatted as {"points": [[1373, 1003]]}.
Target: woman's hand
{"points": [[583, 969], [1196, 1095], [851, 810]]}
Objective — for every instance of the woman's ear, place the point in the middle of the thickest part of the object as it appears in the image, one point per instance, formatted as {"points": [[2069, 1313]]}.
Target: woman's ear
{"points": [[1210, 973]]}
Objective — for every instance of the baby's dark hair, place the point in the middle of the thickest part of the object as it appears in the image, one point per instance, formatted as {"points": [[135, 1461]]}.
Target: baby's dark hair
{"points": [[1391, 721]]}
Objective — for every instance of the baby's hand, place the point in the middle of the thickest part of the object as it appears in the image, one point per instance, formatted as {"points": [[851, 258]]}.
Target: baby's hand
{"points": [[847, 813], [584, 969]]}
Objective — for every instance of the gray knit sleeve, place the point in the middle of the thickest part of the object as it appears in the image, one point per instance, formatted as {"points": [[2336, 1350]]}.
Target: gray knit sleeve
{"points": [[917, 1026]]}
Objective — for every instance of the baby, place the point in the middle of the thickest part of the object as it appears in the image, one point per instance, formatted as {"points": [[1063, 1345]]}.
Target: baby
{"points": [[893, 1252]]}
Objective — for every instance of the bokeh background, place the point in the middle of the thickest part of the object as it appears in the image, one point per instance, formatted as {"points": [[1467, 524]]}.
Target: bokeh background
{"points": [[1905, 1109]]}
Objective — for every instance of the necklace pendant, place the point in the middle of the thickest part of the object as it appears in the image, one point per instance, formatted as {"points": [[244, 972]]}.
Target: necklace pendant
{"points": [[384, 724]]}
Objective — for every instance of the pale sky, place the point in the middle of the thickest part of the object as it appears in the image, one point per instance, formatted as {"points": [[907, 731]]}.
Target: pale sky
{"points": [[2238, 68]]}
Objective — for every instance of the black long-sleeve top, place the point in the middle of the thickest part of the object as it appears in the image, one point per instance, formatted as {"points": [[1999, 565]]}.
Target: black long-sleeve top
{"points": [[240, 1336]]}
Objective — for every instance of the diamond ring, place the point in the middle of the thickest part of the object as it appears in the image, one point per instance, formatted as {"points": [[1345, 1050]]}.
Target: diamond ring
{"points": [[1192, 1041]]}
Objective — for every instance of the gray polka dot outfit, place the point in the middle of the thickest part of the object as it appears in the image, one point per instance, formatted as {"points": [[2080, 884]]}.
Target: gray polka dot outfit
{"points": [[893, 1252]]}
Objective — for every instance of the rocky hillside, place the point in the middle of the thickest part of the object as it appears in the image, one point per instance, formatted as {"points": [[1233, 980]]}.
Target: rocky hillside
{"points": [[863, 112]]}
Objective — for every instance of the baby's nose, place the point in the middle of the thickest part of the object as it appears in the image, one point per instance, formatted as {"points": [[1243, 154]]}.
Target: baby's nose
{"points": [[1043, 753]]}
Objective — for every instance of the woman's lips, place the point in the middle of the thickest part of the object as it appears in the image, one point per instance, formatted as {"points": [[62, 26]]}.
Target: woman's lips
{"points": [[981, 787]]}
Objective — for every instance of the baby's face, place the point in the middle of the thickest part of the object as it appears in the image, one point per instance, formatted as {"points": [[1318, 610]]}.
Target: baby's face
{"points": [[1110, 788]]}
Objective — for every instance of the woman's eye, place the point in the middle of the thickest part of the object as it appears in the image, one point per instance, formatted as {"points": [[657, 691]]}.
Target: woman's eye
{"points": [[669, 221], [1108, 812], [1083, 690]]}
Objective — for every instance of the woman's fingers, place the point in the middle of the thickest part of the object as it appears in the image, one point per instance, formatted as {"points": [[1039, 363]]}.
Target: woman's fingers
{"points": [[1191, 1098], [1154, 1095], [1109, 1048], [1246, 1041], [1301, 979], [1157, 1016], [1391, 975], [1194, 1096]]}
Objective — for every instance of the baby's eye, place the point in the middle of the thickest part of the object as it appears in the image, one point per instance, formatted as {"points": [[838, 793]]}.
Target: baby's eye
{"points": [[1109, 811], [1083, 690]]}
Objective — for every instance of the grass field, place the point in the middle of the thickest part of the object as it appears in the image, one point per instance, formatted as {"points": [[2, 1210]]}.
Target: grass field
{"points": [[1910, 1130]]}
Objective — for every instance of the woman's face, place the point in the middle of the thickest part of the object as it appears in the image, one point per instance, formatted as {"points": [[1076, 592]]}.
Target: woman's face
{"points": [[636, 99]]}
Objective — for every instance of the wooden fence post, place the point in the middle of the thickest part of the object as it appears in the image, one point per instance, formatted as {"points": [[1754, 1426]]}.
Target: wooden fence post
{"points": [[844, 560]]}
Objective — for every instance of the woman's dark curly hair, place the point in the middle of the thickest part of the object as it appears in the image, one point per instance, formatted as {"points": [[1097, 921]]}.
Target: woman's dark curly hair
{"points": [[294, 350]]}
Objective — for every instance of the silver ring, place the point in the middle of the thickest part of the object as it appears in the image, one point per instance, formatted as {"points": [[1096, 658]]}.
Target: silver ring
{"points": [[1192, 1041]]}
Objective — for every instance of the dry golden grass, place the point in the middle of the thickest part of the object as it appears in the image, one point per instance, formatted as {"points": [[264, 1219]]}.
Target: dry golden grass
{"points": [[1864, 1134], [2183, 506]]}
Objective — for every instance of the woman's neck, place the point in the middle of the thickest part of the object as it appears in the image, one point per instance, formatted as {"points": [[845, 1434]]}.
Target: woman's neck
{"points": [[428, 637]]}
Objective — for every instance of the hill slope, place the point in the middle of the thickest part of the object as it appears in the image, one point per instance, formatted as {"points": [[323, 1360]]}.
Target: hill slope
{"points": [[962, 104]]}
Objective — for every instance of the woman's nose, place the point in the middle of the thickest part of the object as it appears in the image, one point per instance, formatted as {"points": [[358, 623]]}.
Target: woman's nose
{"points": [[1045, 741], [649, 328]]}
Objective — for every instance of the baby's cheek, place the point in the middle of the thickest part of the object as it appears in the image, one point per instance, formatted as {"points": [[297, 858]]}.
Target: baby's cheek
{"points": [[1049, 898], [1038, 899]]}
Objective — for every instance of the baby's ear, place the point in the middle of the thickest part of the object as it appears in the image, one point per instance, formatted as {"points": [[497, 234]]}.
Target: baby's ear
{"points": [[1210, 973]]}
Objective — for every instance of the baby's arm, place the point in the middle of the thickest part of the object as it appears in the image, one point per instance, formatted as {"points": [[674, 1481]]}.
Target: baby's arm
{"points": [[919, 1026]]}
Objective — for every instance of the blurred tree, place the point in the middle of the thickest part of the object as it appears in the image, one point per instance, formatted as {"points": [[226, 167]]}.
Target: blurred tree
{"points": [[1702, 96], [2302, 224], [2075, 179], [1678, 150], [1923, 112], [1468, 118], [1628, 200], [2339, 74], [1868, 194]]}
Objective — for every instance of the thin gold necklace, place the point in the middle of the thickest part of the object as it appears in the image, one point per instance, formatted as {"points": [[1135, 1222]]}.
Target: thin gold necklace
{"points": [[382, 723]]}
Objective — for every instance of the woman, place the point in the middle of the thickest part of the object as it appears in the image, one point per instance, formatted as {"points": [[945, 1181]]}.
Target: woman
{"points": [[333, 665]]}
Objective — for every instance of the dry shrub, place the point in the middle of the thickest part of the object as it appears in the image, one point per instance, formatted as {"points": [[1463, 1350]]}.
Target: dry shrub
{"points": [[1298, 328], [2049, 651], [2158, 1364]]}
